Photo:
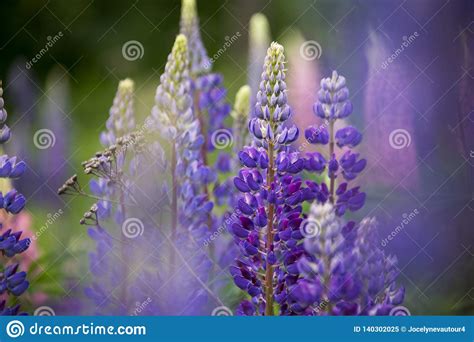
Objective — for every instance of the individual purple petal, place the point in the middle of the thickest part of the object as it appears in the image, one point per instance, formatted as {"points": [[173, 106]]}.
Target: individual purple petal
{"points": [[348, 136], [241, 185]]}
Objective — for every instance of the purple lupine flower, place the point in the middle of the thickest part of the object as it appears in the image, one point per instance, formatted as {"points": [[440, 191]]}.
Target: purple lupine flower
{"points": [[348, 136], [120, 122], [190, 205], [10, 168], [346, 271], [173, 111], [209, 95], [268, 213], [12, 281], [4, 129], [121, 119], [115, 188], [211, 109], [333, 104], [317, 135], [11, 244], [189, 26]]}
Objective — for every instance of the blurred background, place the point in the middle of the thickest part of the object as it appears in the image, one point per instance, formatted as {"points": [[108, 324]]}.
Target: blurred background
{"points": [[409, 65]]}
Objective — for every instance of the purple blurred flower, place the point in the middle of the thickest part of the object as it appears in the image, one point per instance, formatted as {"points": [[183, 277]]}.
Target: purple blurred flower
{"points": [[389, 117], [346, 269], [12, 282]]}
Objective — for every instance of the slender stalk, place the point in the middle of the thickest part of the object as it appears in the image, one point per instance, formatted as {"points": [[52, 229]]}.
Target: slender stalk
{"points": [[203, 130], [327, 266], [125, 256], [331, 152], [204, 149], [269, 242]]}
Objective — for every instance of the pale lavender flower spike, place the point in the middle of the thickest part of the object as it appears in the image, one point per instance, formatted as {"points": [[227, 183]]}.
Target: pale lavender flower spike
{"points": [[189, 24]]}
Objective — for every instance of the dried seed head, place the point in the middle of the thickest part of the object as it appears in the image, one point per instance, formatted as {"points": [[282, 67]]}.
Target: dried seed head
{"points": [[62, 190]]}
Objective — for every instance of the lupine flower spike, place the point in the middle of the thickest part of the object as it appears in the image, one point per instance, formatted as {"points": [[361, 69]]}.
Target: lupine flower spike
{"points": [[112, 189], [189, 26], [209, 104], [190, 207], [13, 282], [269, 211], [174, 115], [334, 104], [347, 273], [211, 110]]}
